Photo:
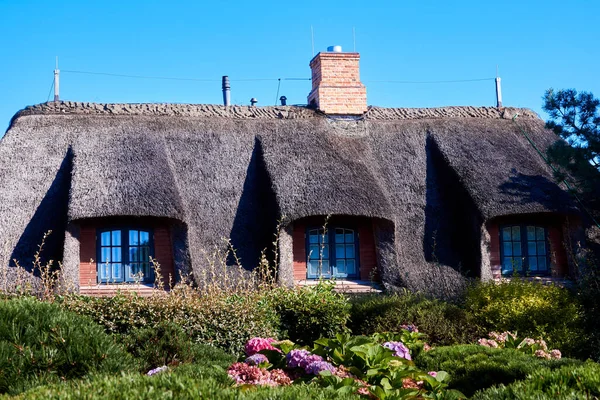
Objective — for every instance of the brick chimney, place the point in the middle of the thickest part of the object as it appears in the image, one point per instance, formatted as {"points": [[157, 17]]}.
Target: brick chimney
{"points": [[336, 87]]}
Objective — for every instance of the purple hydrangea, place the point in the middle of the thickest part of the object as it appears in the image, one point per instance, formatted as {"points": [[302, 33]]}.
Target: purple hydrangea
{"points": [[301, 358], [399, 349], [317, 366], [256, 359], [410, 327]]}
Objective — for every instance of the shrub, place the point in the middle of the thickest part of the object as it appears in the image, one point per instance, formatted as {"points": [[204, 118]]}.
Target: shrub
{"points": [[442, 322], [310, 312], [223, 320], [174, 385], [529, 308], [582, 382], [588, 294], [40, 343], [474, 367]]}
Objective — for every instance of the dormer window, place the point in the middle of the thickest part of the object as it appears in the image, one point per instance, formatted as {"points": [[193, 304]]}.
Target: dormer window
{"points": [[124, 255], [524, 250]]}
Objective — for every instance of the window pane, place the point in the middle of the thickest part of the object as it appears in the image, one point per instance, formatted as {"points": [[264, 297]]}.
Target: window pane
{"points": [[506, 234], [540, 233], [508, 248], [542, 265], [349, 236], [516, 233], [314, 252], [531, 248], [350, 267], [116, 238], [339, 235], [313, 237], [507, 265], [312, 267], [105, 239], [103, 268], [134, 238], [518, 264], [116, 254], [531, 233], [145, 269], [350, 251], [134, 254], [325, 251], [325, 268], [105, 254], [541, 248], [533, 264], [144, 238], [116, 271], [516, 248], [339, 251], [144, 255], [341, 266]]}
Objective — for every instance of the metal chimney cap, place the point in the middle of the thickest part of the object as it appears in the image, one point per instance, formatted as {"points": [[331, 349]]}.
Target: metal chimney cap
{"points": [[334, 49], [253, 101]]}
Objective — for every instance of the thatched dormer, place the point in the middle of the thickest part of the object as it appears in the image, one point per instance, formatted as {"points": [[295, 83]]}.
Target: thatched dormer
{"points": [[418, 198]]}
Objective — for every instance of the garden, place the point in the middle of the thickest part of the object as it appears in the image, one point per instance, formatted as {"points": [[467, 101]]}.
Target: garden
{"points": [[515, 340]]}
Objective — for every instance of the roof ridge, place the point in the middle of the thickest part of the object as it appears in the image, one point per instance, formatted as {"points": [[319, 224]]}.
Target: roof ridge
{"points": [[267, 112]]}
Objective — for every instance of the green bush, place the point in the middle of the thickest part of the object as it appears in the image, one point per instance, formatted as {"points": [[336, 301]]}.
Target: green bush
{"points": [[174, 385], [588, 294], [41, 343], [310, 312], [529, 308], [582, 382], [474, 367], [222, 320], [443, 323]]}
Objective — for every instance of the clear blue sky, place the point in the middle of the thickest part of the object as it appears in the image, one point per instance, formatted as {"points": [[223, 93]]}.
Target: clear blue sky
{"points": [[537, 45]]}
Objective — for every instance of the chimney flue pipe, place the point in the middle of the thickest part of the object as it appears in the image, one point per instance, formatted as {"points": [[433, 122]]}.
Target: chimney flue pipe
{"points": [[226, 91]]}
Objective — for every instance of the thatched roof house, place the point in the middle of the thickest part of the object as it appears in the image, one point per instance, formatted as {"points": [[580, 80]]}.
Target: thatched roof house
{"points": [[417, 197]]}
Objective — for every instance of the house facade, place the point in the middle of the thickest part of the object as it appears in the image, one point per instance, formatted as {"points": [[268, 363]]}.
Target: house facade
{"points": [[416, 198]]}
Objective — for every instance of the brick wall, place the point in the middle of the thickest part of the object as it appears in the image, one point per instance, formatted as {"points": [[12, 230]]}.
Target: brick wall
{"points": [[367, 256], [163, 251], [553, 225], [336, 86]]}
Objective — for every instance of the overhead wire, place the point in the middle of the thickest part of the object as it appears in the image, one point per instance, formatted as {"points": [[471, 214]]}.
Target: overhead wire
{"points": [[50, 91]]}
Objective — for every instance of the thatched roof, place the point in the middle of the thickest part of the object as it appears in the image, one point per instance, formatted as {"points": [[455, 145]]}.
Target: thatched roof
{"points": [[233, 171]]}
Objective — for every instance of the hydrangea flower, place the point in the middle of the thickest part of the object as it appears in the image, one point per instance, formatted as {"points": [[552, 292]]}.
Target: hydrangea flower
{"points": [[301, 358], [317, 366], [488, 343], [399, 349], [257, 344], [157, 370], [556, 354], [250, 374], [256, 359], [410, 327]]}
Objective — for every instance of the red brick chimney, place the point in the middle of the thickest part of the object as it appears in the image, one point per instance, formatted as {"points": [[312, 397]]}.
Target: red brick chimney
{"points": [[336, 87]]}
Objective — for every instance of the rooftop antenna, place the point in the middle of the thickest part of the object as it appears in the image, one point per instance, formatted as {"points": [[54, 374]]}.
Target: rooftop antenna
{"points": [[312, 40], [354, 38], [56, 82], [498, 90]]}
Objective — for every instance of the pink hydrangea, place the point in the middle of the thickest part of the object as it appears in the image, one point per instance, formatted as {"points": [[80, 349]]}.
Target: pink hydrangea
{"points": [[556, 354], [257, 344], [250, 374]]}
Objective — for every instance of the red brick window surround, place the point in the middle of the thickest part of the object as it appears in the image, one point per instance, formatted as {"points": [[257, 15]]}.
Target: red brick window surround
{"points": [[126, 252]]}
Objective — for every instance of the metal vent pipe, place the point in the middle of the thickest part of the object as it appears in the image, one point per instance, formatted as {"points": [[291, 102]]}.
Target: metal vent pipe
{"points": [[226, 91]]}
